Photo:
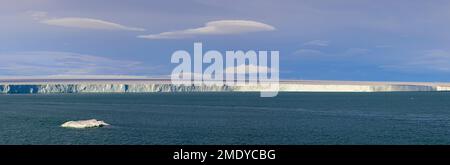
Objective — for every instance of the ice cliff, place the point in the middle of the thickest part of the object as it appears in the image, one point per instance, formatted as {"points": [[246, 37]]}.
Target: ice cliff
{"points": [[11, 88], [106, 88]]}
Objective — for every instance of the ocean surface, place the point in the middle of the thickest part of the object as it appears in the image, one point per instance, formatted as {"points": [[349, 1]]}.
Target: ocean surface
{"points": [[228, 118]]}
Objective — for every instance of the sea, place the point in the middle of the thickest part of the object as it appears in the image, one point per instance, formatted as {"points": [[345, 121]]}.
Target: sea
{"points": [[228, 118]]}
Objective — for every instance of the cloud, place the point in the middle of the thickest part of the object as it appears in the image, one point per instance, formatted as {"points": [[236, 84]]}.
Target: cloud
{"points": [[430, 60], [189, 75], [357, 51], [324, 54], [59, 76], [64, 63], [384, 46], [38, 15], [317, 43], [243, 69], [221, 27], [308, 52], [88, 23]]}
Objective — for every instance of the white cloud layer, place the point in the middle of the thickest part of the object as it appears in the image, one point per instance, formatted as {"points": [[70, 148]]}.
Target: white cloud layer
{"points": [[59, 76], [221, 27], [243, 69], [317, 43], [431, 60], [357, 51], [88, 23], [307, 52], [64, 63], [38, 15]]}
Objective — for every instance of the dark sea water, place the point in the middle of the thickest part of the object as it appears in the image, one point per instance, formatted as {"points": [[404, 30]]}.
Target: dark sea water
{"points": [[229, 118]]}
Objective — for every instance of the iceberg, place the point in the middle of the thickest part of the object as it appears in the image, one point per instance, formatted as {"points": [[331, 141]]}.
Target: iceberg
{"points": [[84, 124]]}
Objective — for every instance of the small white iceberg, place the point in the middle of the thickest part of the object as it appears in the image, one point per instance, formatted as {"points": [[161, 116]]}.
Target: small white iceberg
{"points": [[84, 124]]}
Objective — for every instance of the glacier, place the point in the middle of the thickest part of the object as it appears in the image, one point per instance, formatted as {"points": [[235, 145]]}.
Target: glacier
{"points": [[106, 88], [148, 86]]}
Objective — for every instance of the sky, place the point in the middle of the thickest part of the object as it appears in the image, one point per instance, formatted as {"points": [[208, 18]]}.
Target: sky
{"points": [[362, 40]]}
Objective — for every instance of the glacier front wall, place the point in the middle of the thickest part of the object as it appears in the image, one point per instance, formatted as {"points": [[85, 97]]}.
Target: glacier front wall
{"points": [[166, 87]]}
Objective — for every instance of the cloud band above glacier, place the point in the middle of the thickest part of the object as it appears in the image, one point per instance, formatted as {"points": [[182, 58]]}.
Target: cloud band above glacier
{"points": [[64, 63], [88, 23], [220, 27]]}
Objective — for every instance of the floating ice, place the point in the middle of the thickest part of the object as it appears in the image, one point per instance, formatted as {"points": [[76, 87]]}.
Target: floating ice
{"points": [[84, 124]]}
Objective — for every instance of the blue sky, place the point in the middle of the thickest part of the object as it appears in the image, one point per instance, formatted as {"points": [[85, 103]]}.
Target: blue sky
{"points": [[382, 40]]}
